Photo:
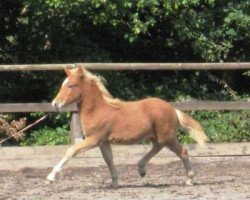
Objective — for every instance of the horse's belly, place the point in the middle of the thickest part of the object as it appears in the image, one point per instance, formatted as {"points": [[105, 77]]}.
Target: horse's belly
{"points": [[119, 138], [129, 134]]}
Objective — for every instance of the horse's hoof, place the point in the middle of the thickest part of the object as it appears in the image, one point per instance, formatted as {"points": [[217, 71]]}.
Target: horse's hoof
{"points": [[141, 170], [113, 185], [189, 182], [142, 174], [51, 177]]}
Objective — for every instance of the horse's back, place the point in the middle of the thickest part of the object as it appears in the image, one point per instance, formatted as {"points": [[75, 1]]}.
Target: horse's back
{"points": [[140, 119], [158, 104]]}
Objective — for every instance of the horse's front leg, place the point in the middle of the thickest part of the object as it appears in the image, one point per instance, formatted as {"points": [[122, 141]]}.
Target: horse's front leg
{"points": [[108, 158], [86, 144]]}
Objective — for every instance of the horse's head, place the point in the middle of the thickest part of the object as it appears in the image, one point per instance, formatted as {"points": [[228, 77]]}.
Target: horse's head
{"points": [[71, 89]]}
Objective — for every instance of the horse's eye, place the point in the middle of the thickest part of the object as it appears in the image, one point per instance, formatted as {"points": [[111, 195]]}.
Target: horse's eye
{"points": [[72, 86]]}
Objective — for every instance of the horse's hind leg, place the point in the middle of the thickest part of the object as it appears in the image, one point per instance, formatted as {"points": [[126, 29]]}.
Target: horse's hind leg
{"points": [[144, 161], [182, 153], [86, 144], [108, 158]]}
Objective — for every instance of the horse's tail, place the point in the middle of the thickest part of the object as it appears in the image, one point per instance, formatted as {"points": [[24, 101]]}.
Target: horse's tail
{"points": [[192, 127]]}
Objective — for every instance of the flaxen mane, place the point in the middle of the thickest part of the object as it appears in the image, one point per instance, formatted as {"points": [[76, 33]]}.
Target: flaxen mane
{"points": [[100, 82]]}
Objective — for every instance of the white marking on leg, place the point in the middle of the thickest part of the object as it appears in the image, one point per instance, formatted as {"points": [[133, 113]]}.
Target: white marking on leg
{"points": [[86, 144], [59, 166], [189, 182], [51, 177], [57, 169]]}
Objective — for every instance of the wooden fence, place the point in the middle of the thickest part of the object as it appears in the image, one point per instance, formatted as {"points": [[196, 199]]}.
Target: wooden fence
{"points": [[75, 125], [130, 66]]}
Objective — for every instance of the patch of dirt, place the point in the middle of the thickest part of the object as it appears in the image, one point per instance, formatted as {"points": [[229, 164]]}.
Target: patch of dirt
{"points": [[224, 178]]}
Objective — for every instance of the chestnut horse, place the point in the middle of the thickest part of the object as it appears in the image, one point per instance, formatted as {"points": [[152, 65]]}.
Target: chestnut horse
{"points": [[107, 120]]}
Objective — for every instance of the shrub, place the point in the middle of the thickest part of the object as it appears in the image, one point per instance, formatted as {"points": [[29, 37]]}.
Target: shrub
{"points": [[47, 136], [222, 126]]}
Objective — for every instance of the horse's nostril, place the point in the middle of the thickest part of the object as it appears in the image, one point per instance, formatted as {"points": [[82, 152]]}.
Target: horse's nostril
{"points": [[55, 105]]}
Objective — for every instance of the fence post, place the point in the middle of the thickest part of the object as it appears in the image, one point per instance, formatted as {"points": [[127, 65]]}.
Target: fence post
{"points": [[76, 131]]}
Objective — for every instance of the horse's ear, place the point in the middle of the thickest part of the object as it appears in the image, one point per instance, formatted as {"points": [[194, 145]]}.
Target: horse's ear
{"points": [[67, 71], [80, 72]]}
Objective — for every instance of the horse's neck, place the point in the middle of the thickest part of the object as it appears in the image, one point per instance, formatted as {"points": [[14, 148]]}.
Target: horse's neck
{"points": [[92, 99]]}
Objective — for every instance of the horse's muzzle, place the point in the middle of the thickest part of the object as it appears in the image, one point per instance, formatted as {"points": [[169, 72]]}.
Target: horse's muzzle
{"points": [[57, 106]]}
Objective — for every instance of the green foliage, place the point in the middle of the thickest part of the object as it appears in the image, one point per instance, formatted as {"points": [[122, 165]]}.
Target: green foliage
{"points": [[172, 86], [100, 30], [226, 126], [222, 126], [247, 73], [47, 136], [55, 119]]}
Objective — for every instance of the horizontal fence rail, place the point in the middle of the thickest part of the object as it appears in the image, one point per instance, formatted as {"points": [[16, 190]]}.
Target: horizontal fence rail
{"points": [[213, 105], [196, 105], [130, 66], [32, 107]]}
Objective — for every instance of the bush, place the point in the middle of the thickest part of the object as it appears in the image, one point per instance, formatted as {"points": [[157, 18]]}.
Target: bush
{"points": [[47, 136], [222, 126]]}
